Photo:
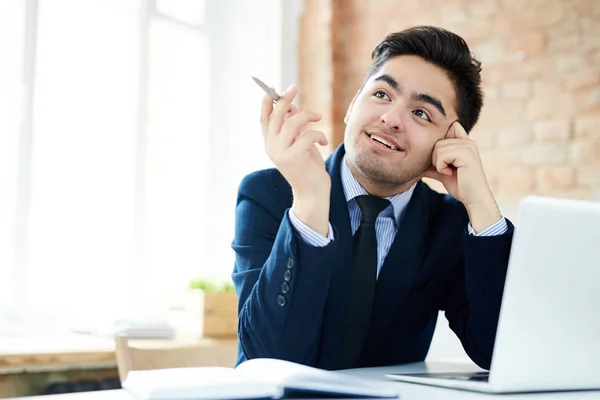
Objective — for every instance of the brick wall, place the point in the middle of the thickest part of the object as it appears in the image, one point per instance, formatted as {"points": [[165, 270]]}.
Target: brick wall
{"points": [[539, 132]]}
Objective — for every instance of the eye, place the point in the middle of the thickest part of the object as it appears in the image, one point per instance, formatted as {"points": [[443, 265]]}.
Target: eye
{"points": [[422, 114], [380, 94]]}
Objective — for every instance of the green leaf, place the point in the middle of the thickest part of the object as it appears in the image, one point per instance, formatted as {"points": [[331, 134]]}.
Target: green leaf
{"points": [[212, 286]]}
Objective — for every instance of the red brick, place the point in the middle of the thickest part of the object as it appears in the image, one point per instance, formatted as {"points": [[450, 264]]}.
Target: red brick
{"points": [[587, 99], [563, 38], [589, 43], [583, 151], [570, 63], [556, 177], [499, 159], [589, 26], [548, 107], [514, 136], [513, 5], [473, 32], [581, 79], [430, 16], [564, 43], [589, 176], [483, 137], [547, 88], [529, 18], [515, 90], [483, 8], [515, 179], [541, 69], [588, 125], [594, 56], [500, 114], [548, 13], [496, 162], [510, 69], [567, 193], [584, 8], [545, 153], [530, 43], [491, 93], [557, 129], [491, 51], [454, 14]]}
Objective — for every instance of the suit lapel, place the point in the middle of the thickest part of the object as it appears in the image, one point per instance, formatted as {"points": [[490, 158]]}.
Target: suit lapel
{"points": [[400, 267], [336, 305]]}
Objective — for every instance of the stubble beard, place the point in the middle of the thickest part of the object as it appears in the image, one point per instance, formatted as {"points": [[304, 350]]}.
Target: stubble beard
{"points": [[377, 171]]}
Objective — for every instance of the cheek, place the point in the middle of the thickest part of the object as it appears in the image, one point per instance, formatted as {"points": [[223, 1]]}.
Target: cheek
{"points": [[421, 140], [365, 114]]}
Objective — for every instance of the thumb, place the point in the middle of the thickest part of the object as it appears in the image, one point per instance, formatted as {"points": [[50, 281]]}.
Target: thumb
{"points": [[432, 173]]}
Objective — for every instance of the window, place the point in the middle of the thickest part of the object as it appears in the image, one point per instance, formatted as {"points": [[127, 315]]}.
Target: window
{"points": [[83, 158], [177, 155], [12, 94], [124, 147]]}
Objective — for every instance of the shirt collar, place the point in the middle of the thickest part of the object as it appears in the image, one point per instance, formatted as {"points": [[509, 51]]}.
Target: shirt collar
{"points": [[352, 189]]}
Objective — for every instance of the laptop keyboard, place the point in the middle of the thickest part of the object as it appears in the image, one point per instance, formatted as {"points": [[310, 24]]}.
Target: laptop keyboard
{"points": [[477, 376], [480, 377], [466, 376]]}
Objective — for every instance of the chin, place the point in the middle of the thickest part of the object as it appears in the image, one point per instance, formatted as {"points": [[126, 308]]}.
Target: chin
{"points": [[373, 169], [381, 171]]}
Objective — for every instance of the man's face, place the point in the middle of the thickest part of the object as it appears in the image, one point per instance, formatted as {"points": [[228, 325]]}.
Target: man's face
{"points": [[410, 104]]}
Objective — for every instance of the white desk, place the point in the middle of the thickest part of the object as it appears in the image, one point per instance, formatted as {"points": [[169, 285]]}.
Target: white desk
{"points": [[407, 391]]}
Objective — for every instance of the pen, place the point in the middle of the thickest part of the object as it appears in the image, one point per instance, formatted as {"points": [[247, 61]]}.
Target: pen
{"points": [[269, 90]]}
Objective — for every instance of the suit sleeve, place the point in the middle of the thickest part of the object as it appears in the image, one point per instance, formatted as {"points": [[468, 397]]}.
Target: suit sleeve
{"points": [[281, 281], [474, 293]]}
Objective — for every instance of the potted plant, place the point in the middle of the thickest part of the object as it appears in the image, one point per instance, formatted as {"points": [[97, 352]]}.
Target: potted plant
{"points": [[219, 307]]}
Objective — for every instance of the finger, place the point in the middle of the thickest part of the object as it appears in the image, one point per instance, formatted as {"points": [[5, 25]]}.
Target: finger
{"points": [[265, 114], [456, 131], [443, 163], [293, 126], [281, 108], [450, 144], [432, 173], [308, 138], [458, 152], [293, 110]]}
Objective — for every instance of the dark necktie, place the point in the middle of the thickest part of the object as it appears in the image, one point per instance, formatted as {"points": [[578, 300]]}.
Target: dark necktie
{"points": [[364, 278]]}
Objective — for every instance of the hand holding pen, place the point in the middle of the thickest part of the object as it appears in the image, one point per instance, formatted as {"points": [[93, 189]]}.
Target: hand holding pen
{"points": [[273, 95], [292, 148]]}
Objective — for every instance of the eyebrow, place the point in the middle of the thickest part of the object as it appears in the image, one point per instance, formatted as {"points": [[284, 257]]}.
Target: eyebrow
{"points": [[423, 97]]}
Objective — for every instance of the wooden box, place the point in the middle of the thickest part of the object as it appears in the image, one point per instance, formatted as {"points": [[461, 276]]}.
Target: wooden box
{"points": [[220, 317]]}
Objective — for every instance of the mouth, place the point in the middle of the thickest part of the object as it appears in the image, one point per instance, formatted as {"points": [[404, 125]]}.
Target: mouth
{"points": [[382, 141]]}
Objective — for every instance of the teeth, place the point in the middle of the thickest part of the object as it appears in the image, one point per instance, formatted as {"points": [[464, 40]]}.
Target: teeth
{"points": [[380, 140]]}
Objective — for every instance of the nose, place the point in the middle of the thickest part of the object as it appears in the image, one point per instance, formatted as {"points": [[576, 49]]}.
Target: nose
{"points": [[392, 120]]}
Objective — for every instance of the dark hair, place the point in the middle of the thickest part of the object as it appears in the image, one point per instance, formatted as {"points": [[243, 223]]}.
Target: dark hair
{"points": [[446, 50]]}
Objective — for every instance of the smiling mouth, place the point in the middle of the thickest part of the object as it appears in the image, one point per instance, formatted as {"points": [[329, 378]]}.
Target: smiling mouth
{"points": [[384, 142]]}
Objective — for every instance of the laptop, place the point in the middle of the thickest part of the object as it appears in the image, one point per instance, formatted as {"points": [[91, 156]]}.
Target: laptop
{"points": [[548, 336]]}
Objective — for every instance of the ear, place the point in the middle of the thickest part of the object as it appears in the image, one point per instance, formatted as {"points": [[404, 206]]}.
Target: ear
{"points": [[350, 107]]}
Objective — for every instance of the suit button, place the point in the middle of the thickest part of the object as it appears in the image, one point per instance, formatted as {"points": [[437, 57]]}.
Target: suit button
{"points": [[290, 263], [281, 300], [285, 288], [287, 275]]}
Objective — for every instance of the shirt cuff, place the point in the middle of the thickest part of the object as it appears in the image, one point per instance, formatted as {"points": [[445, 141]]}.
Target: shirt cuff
{"points": [[308, 234], [498, 228]]}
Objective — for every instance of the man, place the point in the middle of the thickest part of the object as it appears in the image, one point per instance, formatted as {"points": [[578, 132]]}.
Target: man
{"points": [[346, 263]]}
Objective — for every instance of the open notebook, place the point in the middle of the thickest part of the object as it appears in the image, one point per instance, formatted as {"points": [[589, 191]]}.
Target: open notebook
{"points": [[259, 378]]}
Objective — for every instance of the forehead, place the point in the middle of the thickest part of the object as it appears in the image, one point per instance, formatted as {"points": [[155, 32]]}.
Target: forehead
{"points": [[415, 74]]}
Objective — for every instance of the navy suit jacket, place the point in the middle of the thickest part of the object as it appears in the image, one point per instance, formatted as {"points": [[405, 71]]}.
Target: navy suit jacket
{"points": [[292, 296]]}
